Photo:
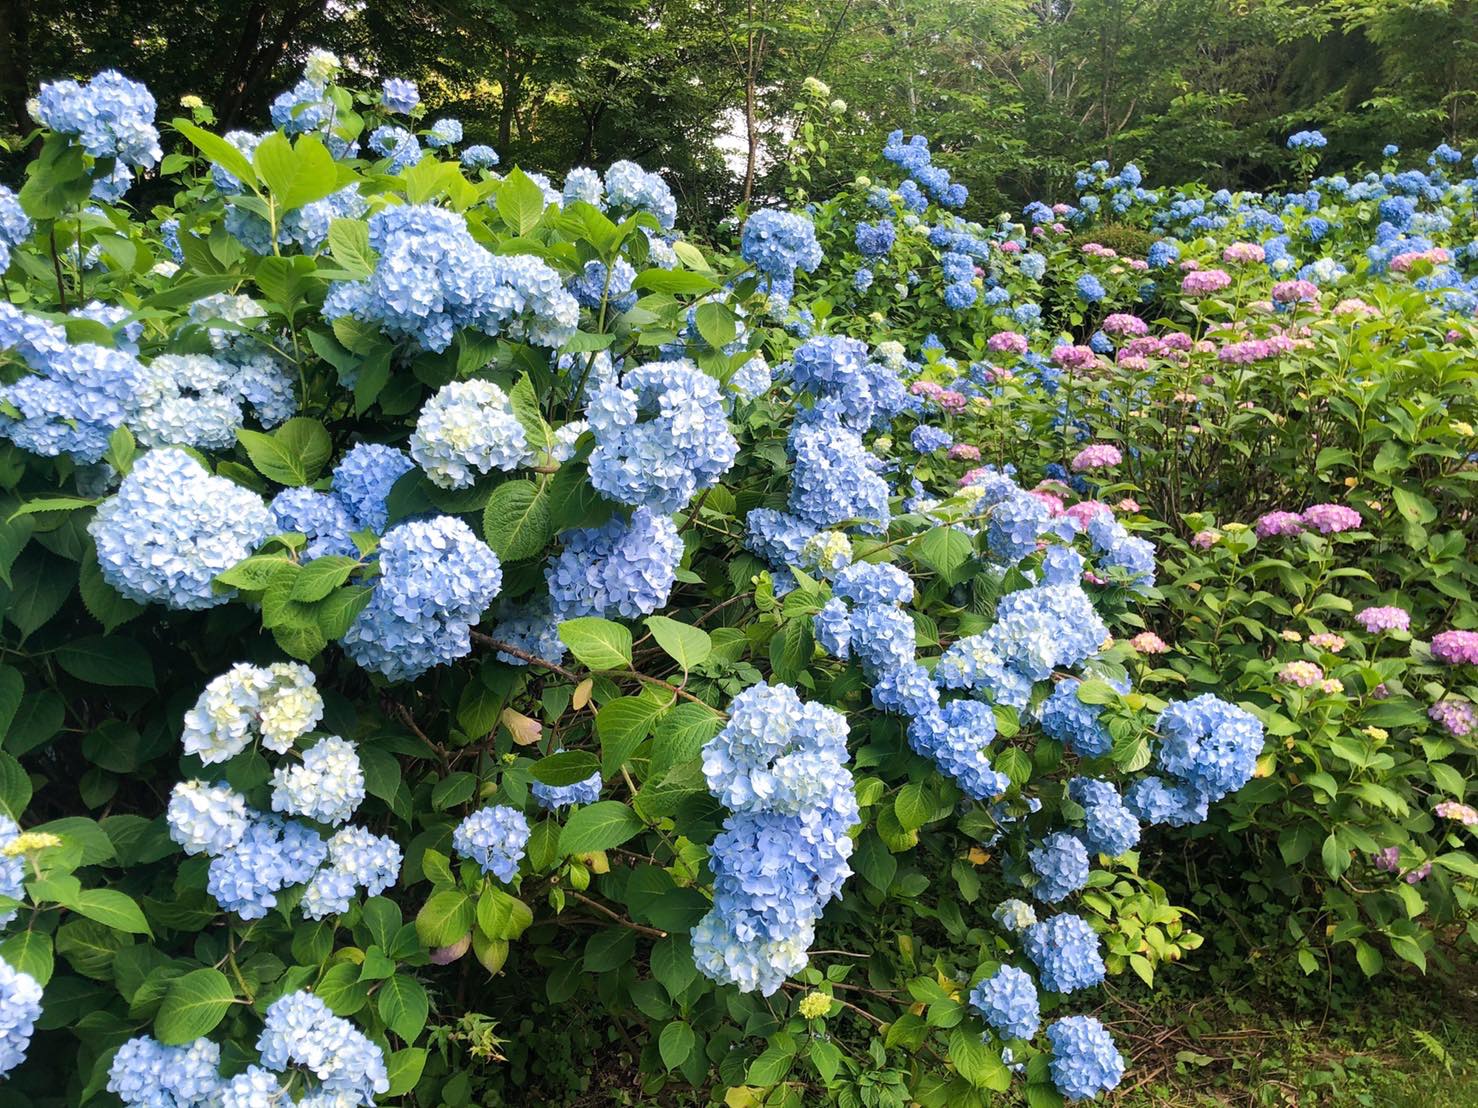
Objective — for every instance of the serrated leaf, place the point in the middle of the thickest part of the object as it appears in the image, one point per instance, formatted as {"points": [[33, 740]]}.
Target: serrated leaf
{"points": [[675, 1043], [193, 1006], [515, 522], [322, 576], [295, 173], [293, 455], [348, 241], [337, 611], [520, 202], [599, 643], [688, 646], [403, 1005], [599, 826], [565, 767], [107, 660], [445, 918], [501, 916]]}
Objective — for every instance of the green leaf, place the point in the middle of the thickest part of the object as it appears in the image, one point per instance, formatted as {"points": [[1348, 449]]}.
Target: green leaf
{"points": [[716, 323], [107, 660], [672, 964], [680, 736], [622, 725], [675, 281], [688, 646], [404, 1070], [292, 455], [53, 504], [599, 826], [256, 572], [193, 1006], [565, 767], [295, 174], [403, 1005], [348, 240], [337, 611], [911, 807], [599, 643], [520, 202], [675, 1043], [976, 1062], [112, 909], [322, 576], [445, 918], [515, 522], [501, 916], [218, 150], [343, 989], [30, 952], [15, 787]]}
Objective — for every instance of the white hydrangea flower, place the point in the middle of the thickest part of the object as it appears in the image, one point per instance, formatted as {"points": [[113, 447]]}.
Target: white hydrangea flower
{"points": [[327, 786]]}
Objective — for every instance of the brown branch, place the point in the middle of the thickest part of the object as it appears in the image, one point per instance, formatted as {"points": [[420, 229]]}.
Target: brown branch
{"points": [[640, 929]]}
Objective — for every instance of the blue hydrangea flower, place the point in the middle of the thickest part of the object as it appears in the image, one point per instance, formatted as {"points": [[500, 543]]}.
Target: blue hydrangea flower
{"points": [[660, 436], [1118, 549], [398, 144], [873, 583], [907, 691], [110, 116], [399, 96], [300, 1030], [443, 133], [467, 430], [1109, 827], [956, 737], [321, 516], [584, 185], [20, 1008], [832, 627], [494, 837], [622, 568], [1065, 950], [591, 286], [1155, 800], [1061, 866], [147, 1074], [1014, 915], [881, 637], [553, 797], [1008, 1001], [479, 157], [271, 855], [874, 240], [1074, 724], [206, 819], [15, 225], [171, 527], [630, 189], [926, 439], [1085, 1061], [326, 786], [304, 107], [1209, 744], [835, 480], [363, 479], [777, 243], [530, 626]]}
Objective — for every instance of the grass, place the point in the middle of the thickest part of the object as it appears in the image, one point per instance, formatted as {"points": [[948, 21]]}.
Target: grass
{"points": [[1395, 1043]]}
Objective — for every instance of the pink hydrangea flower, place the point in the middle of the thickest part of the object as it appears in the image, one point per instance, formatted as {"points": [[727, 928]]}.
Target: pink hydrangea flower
{"points": [[1301, 673], [1147, 642], [1074, 357], [1059, 228], [1128, 504], [1294, 292], [1010, 246], [1455, 648], [1006, 342], [1278, 523], [1099, 455], [1122, 323], [951, 401], [1201, 282], [1139, 265], [964, 452], [1133, 362], [1330, 519], [1418, 875], [1353, 305], [1085, 511], [1327, 640], [1463, 813], [1051, 499], [1387, 859], [1204, 540], [1376, 620], [1402, 263], [1243, 253], [1454, 716]]}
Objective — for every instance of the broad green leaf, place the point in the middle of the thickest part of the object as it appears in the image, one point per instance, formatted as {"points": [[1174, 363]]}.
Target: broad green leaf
{"points": [[599, 643], [688, 646], [598, 826], [501, 916], [107, 660], [675, 1043], [293, 455], [520, 202], [622, 725], [716, 323], [193, 1006], [348, 240], [322, 576], [219, 151], [565, 767], [111, 908], [403, 1005], [515, 522], [445, 918], [295, 173]]}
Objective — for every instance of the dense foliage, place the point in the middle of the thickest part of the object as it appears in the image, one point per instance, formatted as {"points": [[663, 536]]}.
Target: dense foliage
{"points": [[445, 663], [1014, 93]]}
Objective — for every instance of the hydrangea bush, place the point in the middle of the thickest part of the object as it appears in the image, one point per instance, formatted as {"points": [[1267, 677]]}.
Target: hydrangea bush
{"points": [[429, 616]]}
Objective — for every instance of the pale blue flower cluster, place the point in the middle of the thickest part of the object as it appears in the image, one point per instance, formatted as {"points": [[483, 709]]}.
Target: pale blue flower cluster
{"points": [[321, 516], [1065, 950], [479, 157], [1061, 866], [436, 580], [206, 819], [356, 859], [553, 797], [630, 189], [20, 1008], [301, 1031], [304, 107], [777, 243], [780, 765], [1118, 549], [147, 1074], [1209, 745], [1037, 630], [595, 284], [432, 279], [1074, 724], [836, 480], [171, 527], [77, 396], [399, 96], [363, 480], [1014, 525], [661, 435], [271, 855], [1008, 1001], [1156, 800], [1085, 1061], [199, 400], [277, 704], [110, 116], [326, 786], [622, 568], [1109, 827], [494, 837], [12, 869], [851, 387], [956, 737], [305, 227], [468, 429], [15, 225], [398, 144], [530, 626], [444, 133], [1014, 915]]}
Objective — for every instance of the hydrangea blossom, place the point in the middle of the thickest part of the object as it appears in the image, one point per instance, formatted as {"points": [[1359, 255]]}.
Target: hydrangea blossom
{"points": [[15, 225], [147, 1074], [171, 527], [1008, 1001], [1455, 648], [301, 1031], [623, 568], [327, 786], [553, 797], [206, 819], [278, 704], [1085, 1061], [777, 243], [494, 837], [1065, 950], [1074, 724], [197, 400], [630, 188], [956, 737], [272, 854], [1061, 866], [466, 430], [110, 116], [20, 1008], [660, 436], [835, 481], [1209, 744], [363, 479]]}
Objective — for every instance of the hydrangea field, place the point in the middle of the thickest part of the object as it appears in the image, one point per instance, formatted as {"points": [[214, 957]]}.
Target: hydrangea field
{"points": [[466, 642]]}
